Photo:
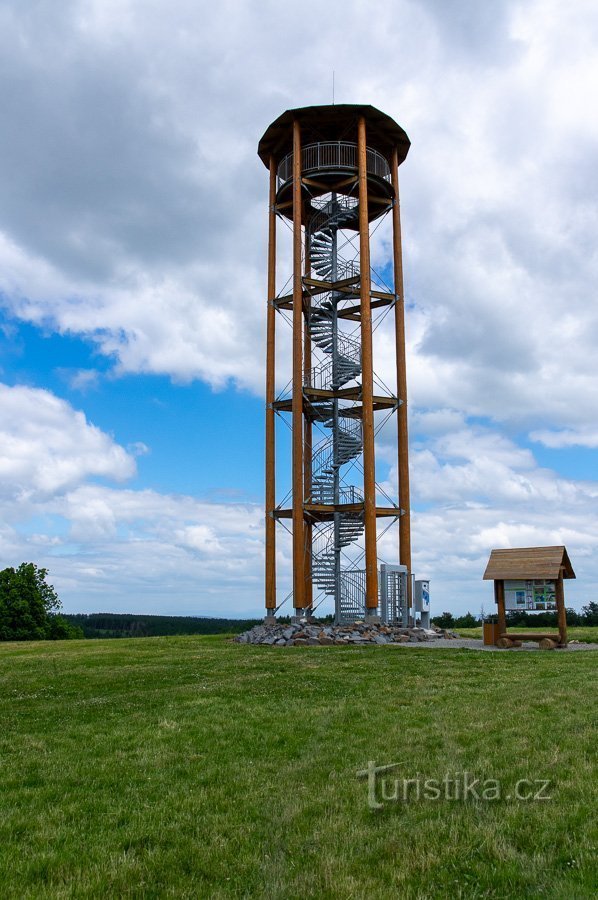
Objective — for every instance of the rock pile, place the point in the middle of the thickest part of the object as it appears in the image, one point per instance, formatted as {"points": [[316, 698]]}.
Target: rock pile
{"points": [[312, 634]]}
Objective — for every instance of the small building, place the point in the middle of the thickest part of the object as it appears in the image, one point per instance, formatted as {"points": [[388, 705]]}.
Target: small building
{"points": [[527, 579]]}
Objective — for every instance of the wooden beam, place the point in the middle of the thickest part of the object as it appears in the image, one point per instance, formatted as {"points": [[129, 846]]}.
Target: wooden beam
{"points": [[324, 287], [307, 438], [559, 594], [367, 377], [332, 285], [297, 407], [352, 312], [522, 636], [381, 200], [401, 363], [270, 394], [499, 596], [320, 512], [352, 412]]}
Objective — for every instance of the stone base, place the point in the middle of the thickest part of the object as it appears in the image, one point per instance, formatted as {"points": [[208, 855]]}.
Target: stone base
{"points": [[372, 619], [269, 620], [362, 633]]}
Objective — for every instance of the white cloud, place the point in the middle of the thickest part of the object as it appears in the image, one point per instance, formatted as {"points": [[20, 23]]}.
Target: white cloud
{"points": [[152, 238], [148, 552], [583, 437], [46, 446], [111, 547]]}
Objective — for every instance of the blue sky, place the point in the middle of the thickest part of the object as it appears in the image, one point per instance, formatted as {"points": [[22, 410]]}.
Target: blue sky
{"points": [[185, 428], [133, 269]]}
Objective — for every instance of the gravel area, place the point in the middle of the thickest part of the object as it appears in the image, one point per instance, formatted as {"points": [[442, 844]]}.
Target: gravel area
{"points": [[478, 644]]}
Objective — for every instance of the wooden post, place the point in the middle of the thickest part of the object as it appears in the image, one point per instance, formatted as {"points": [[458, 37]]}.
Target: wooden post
{"points": [[297, 402], [270, 396], [367, 379], [499, 596], [402, 425], [561, 609], [307, 447]]}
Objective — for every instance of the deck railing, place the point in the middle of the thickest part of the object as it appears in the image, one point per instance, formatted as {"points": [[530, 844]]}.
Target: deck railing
{"points": [[333, 155]]}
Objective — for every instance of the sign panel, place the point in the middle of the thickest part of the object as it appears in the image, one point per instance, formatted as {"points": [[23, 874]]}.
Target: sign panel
{"points": [[537, 594]]}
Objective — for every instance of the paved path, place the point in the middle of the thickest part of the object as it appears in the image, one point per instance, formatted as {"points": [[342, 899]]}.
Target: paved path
{"points": [[478, 644]]}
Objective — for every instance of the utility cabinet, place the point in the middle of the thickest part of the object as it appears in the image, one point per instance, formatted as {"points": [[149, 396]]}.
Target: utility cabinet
{"points": [[422, 602]]}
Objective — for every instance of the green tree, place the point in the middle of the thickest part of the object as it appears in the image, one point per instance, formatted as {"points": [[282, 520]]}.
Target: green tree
{"points": [[446, 620], [29, 605], [590, 613]]}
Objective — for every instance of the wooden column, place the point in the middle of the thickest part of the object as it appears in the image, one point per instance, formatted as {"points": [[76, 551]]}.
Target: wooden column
{"points": [[307, 444], [499, 596], [402, 425], [297, 402], [561, 609], [270, 396], [367, 379]]}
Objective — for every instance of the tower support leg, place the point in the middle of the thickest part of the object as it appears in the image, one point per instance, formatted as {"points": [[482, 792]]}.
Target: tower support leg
{"points": [[297, 401], [270, 414], [402, 425], [367, 382]]}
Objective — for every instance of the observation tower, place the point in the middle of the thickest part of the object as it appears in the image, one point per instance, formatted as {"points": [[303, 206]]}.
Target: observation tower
{"points": [[334, 172]]}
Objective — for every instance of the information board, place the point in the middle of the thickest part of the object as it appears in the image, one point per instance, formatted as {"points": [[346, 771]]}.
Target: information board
{"points": [[530, 595]]}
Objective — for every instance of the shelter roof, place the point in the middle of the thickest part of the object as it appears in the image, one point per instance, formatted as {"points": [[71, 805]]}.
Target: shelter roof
{"points": [[528, 562]]}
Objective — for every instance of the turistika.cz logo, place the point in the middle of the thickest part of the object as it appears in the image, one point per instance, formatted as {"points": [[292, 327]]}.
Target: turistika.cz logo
{"points": [[384, 788]]}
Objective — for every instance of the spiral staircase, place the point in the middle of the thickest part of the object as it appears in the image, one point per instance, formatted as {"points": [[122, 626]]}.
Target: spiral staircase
{"points": [[341, 364]]}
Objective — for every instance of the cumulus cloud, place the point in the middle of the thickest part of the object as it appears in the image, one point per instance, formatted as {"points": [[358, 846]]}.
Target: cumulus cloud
{"points": [[473, 490], [46, 446], [151, 240], [583, 437], [142, 551], [115, 547]]}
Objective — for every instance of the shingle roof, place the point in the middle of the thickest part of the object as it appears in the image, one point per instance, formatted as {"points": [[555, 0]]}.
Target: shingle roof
{"points": [[528, 562]]}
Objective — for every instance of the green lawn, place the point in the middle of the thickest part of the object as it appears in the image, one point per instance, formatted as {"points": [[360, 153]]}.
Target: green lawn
{"points": [[193, 767], [584, 634]]}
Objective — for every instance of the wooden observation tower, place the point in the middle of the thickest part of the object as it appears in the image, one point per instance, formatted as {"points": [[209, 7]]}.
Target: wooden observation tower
{"points": [[334, 171]]}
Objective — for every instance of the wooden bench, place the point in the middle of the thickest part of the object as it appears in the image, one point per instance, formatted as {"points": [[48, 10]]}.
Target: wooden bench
{"points": [[507, 640]]}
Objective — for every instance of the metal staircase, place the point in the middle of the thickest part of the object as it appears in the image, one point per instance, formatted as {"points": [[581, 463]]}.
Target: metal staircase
{"points": [[346, 439]]}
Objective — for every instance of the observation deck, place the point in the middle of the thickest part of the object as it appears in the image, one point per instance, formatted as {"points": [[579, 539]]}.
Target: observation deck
{"points": [[329, 164]]}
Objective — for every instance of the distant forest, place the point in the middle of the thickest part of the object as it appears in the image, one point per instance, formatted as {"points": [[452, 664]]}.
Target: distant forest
{"points": [[521, 618], [126, 625]]}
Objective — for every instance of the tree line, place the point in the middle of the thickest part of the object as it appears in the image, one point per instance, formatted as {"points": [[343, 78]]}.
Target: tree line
{"points": [[123, 625], [521, 618], [30, 611]]}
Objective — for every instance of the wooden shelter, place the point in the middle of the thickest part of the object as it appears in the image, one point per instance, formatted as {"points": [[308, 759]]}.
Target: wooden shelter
{"points": [[528, 566]]}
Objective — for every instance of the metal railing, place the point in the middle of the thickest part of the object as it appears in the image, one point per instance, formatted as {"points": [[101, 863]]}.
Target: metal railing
{"points": [[352, 600], [333, 155], [350, 495], [320, 377]]}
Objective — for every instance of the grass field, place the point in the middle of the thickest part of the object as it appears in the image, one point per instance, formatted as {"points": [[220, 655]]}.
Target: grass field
{"points": [[194, 767], [586, 635]]}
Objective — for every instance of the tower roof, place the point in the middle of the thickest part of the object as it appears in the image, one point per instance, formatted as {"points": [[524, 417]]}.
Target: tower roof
{"points": [[333, 123]]}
